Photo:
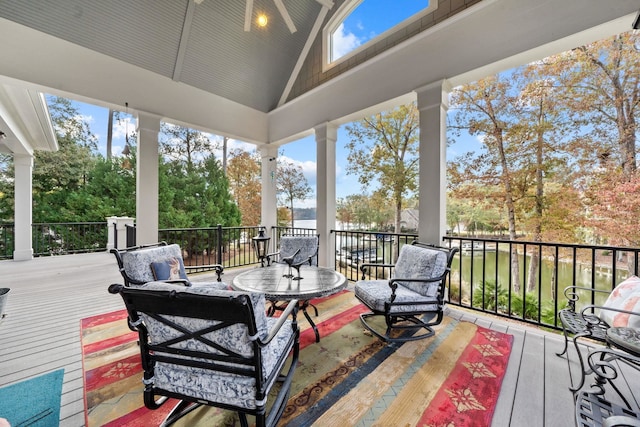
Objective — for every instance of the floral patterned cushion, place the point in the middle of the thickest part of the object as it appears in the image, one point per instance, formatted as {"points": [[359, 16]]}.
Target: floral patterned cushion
{"points": [[374, 293], [626, 296], [137, 264], [415, 262], [213, 385], [308, 246], [141, 263]]}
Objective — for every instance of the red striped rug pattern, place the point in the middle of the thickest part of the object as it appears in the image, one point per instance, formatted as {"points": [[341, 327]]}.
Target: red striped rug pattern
{"points": [[348, 378]]}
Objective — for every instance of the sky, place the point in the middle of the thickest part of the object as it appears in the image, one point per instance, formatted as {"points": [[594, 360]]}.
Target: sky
{"points": [[370, 19]]}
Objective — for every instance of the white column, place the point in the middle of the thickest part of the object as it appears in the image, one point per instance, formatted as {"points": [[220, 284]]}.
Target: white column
{"points": [[23, 211], [432, 106], [147, 179], [269, 212], [326, 136]]}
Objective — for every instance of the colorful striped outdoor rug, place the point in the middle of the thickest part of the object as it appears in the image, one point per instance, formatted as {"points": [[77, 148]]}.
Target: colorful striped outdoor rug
{"points": [[349, 378]]}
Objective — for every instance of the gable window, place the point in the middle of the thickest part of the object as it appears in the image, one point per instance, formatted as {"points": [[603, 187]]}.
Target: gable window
{"points": [[360, 23]]}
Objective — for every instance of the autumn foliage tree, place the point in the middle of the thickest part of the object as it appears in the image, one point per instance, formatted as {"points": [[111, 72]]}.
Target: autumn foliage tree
{"points": [[291, 184], [384, 147], [243, 172]]}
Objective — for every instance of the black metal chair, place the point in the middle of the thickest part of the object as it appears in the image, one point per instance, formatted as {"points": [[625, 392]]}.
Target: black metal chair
{"points": [[205, 346], [593, 321], [593, 407], [296, 251], [412, 301], [159, 261]]}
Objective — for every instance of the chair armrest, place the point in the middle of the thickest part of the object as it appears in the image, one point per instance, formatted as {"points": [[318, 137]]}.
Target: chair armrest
{"points": [[292, 307], [271, 255], [184, 282], [573, 296], [115, 288], [363, 267], [594, 319], [217, 267]]}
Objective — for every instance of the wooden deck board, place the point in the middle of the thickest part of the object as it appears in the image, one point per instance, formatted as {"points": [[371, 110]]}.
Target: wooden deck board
{"points": [[49, 297]]}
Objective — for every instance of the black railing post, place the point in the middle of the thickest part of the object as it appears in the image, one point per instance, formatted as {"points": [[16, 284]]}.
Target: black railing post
{"points": [[115, 235], [219, 248], [131, 235]]}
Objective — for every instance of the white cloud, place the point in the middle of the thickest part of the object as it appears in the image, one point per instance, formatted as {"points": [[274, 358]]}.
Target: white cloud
{"points": [[308, 170], [123, 126], [343, 43]]}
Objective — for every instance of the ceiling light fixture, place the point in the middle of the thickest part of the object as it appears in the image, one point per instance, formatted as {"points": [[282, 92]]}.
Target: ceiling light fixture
{"points": [[262, 20], [2, 135]]}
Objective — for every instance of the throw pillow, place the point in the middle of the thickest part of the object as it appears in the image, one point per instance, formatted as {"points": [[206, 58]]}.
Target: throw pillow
{"points": [[170, 269], [626, 296]]}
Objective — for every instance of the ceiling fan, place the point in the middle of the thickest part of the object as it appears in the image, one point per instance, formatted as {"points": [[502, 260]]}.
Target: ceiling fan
{"points": [[281, 8]]}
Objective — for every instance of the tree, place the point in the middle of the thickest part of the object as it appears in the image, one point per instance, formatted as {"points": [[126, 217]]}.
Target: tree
{"points": [[393, 156], [601, 85], [485, 109], [195, 197], [243, 173], [58, 174], [521, 123], [291, 184], [186, 145]]}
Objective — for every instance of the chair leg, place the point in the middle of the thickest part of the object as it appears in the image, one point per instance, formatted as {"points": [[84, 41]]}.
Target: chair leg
{"points": [[583, 371], [566, 342], [392, 325], [243, 419], [179, 411]]}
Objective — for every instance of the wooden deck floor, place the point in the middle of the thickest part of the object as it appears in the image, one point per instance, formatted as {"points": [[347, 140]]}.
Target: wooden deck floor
{"points": [[50, 295]]}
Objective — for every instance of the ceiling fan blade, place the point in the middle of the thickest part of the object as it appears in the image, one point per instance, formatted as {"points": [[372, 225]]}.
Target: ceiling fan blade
{"points": [[247, 15], [285, 15]]}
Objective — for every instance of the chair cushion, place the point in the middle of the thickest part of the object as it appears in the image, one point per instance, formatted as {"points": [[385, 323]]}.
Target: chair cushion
{"points": [[415, 262], [169, 269], [210, 385], [137, 264], [374, 294], [308, 246], [626, 296]]}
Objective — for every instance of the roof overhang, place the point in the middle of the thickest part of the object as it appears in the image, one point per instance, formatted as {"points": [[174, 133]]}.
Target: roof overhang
{"points": [[490, 37], [25, 121]]}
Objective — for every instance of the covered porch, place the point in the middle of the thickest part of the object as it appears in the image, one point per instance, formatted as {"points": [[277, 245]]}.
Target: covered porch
{"points": [[179, 62], [41, 333]]}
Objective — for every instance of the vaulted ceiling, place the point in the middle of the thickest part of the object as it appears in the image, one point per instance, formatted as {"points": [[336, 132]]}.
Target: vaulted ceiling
{"points": [[193, 63], [201, 44]]}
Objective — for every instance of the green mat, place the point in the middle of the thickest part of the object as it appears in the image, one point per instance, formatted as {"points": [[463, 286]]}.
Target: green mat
{"points": [[33, 402]]}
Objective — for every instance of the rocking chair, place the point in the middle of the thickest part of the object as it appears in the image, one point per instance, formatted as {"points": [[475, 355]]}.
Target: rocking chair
{"points": [[413, 299]]}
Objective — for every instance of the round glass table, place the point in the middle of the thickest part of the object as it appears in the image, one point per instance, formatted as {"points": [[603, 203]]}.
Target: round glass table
{"points": [[277, 284]]}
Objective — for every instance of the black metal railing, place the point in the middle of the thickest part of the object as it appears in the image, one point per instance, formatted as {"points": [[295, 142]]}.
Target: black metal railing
{"points": [[525, 280], [353, 248], [519, 279], [277, 232], [7, 240], [57, 238], [228, 246]]}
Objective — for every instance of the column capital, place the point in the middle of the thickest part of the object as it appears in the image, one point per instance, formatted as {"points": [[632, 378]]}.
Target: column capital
{"points": [[326, 130], [434, 94], [23, 159], [148, 122]]}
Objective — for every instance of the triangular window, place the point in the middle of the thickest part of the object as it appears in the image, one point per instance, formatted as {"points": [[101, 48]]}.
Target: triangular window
{"points": [[359, 23]]}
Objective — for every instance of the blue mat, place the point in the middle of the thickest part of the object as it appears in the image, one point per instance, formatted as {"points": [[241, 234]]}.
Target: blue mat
{"points": [[33, 402]]}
